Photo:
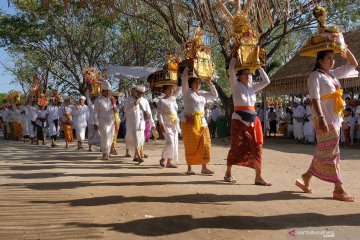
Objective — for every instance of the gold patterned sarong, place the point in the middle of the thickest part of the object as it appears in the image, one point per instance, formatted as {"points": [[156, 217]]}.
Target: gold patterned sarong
{"points": [[197, 143]]}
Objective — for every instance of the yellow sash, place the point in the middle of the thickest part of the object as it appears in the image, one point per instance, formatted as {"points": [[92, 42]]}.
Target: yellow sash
{"points": [[173, 116], [197, 119], [339, 102]]}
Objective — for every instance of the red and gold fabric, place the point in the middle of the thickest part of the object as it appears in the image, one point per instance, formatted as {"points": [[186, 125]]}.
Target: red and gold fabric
{"points": [[259, 138], [245, 150]]}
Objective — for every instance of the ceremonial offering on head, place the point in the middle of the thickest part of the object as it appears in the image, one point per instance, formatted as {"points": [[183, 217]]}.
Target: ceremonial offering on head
{"points": [[92, 79], [248, 53], [14, 97], [327, 38], [42, 100], [167, 76], [56, 96], [198, 58]]}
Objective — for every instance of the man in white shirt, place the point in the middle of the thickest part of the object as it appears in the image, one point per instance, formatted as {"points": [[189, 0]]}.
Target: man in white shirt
{"points": [[52, 120], [137, 110], [298, 120], [81, 116], [309, 131], [104, 118], [215, 114]]}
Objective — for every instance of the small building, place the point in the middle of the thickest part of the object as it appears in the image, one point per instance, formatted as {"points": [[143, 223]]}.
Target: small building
{"points": [[291, 79]]}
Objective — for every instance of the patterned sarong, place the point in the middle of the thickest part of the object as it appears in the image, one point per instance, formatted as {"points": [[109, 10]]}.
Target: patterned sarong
{"points": [[93, 136], [147, 130], [326, 161], [245, 149], [197, 143], [18, 130]]}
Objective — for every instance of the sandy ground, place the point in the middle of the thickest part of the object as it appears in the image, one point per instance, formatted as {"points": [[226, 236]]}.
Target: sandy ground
{"points": [[54, 193]]}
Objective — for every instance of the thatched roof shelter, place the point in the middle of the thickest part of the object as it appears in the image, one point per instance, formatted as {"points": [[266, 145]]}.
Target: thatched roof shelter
{"points": [[291, 79]]}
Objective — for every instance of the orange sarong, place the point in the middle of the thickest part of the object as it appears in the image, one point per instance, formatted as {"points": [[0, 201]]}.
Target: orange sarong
{"points": [[18, 129], [68, 133], [197, 143]]}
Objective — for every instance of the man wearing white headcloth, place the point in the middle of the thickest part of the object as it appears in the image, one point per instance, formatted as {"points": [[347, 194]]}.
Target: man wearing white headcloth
{"points": [[298, 120], [309, 131], [81, 116], [52, 120], [137, 110], [105, 106]]}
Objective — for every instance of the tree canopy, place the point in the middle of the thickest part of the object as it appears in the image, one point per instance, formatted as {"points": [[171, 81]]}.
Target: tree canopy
{"points": [[58, 39]]}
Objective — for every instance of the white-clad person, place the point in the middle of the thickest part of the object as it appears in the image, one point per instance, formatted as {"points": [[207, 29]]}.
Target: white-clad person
{"points": [[25, 122], [104, 120], [32, 115], [93, 136], [81, 116], [309, 131], [169, 125], [298, 120], [137, 110], [52, 120]]}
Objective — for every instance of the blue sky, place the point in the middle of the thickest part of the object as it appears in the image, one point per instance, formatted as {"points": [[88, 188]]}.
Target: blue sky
{"points": [[6, 77]]}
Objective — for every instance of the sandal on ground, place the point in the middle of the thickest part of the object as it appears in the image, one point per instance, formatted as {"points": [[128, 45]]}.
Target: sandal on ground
{"points": [[207, 172], [105, 158], [262, 183], [140, 160], [127, 155], [229, 179], [171, 166], [190, 172], [53, 145], [162, 162], [302, 186], [343, 197]]}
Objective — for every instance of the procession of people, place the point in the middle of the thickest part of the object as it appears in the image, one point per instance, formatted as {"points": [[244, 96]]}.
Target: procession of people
{"points": [[96, 116]]}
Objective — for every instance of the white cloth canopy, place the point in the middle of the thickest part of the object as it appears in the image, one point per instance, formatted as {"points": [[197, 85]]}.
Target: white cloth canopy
{"points": [[123, 72]]}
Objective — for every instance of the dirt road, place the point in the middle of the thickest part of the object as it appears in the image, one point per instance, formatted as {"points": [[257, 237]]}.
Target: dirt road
{"points": [[53, 193]]}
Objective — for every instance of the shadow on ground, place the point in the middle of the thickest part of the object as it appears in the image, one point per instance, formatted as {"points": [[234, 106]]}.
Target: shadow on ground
{"points": [[169, 225]]}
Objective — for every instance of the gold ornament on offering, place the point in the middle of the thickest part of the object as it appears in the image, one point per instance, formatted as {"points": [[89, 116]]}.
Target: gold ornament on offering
{"points": [[43, 100], [14, 96], [198, 57], [91, 75], [327, 38], [92, 79], [246, 49], [167, 76], [56, 96]]}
